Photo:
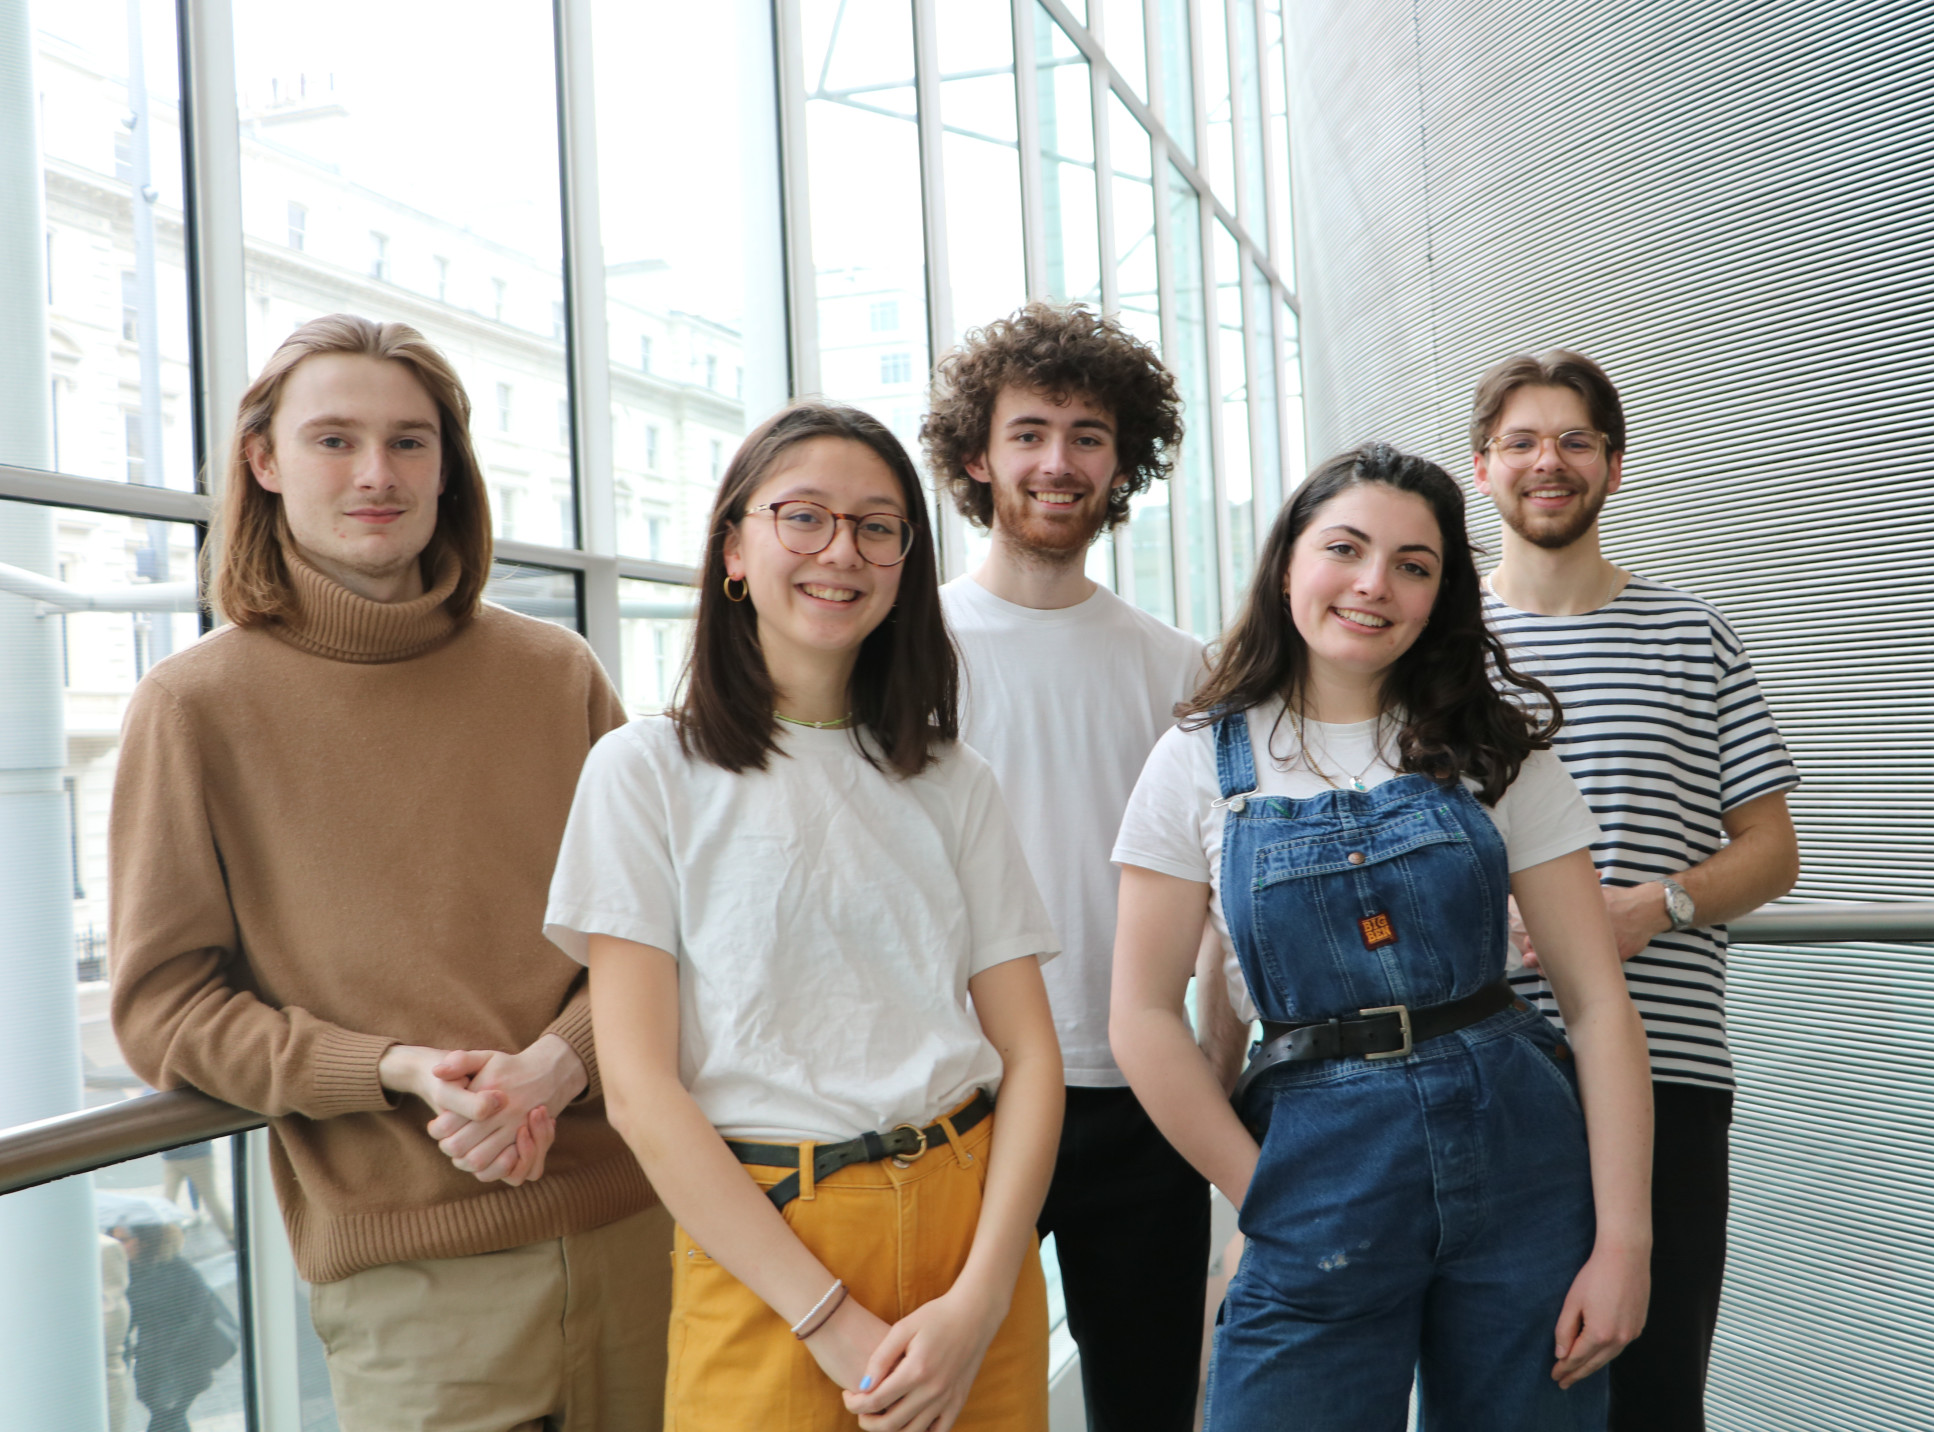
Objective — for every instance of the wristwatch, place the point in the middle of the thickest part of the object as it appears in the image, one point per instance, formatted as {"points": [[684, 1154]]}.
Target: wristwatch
{"points": [[1678, 904]]}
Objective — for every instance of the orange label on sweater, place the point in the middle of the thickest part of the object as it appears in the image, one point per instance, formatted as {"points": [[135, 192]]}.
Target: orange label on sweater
{"points": [[1377, 931]]}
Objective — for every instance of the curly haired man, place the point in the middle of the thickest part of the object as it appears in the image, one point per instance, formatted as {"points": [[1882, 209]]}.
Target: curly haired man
{"points": [[1043, 427]]}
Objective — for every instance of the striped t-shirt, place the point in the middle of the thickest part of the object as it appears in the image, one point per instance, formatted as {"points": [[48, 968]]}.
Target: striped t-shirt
{"points": [[1665, 731]]}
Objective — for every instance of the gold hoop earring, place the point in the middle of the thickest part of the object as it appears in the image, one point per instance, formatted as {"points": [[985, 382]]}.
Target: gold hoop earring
{"points": [[744, 590]]}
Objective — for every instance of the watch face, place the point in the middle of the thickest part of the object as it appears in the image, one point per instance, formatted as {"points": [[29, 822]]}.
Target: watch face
{"points": [[1678, 905]]}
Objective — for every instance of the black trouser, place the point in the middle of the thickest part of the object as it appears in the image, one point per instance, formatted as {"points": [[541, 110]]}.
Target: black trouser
{"points": [[1659, 1382], [1130, 1221]]}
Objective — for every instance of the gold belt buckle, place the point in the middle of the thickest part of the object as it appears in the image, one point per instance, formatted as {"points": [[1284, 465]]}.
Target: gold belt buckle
{"points": [[906, 1160], [1403, 1019]]}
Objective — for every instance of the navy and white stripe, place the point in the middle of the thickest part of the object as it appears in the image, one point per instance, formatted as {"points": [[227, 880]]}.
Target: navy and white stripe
{"points": [[1665, 730]]}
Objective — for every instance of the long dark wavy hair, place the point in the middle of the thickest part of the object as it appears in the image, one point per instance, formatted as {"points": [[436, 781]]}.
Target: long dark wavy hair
{"points": [[906, 685], [1457, 721]]}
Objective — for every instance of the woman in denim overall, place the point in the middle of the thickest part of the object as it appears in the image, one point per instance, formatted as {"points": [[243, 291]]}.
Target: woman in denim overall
{"points": [[1408, 1149]]}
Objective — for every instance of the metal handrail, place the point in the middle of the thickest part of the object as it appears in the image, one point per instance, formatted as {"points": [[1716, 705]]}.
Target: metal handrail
{"points": [[96, 1138], [68, 1144]]}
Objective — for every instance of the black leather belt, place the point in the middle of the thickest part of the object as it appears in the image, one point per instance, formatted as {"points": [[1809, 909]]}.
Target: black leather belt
{"points": [[1381, 1032], [902, 1141]]}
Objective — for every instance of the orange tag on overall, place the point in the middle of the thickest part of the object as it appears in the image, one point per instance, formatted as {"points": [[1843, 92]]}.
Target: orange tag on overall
{"points": [[1377, 931]]}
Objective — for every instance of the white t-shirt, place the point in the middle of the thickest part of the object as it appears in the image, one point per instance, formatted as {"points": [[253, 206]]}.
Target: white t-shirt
{"points": [[1171, 826], [825, 915], [1066, 706]]}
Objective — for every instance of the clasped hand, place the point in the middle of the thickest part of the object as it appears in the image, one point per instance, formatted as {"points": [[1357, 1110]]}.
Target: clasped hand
{"points": [[921, 1369], [494, 1116]]}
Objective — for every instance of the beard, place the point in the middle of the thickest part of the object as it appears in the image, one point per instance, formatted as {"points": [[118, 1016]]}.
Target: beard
{"points": [[1050, 541], [1556, 531]]}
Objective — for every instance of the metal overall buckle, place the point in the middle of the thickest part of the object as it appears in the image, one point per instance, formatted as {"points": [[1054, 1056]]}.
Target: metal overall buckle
{"points": [[906, 1160], [1402, 1012]]}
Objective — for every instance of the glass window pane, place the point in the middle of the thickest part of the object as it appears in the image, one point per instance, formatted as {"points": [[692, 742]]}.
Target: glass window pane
{"points": [[1070, 228], [1295, 453], [1126, 42], [868, 232], [345, 210], [542, 592], [1134, 196], [981, 160], [1238, 473], [1178, 78], [131, 1261], [655, 635], [1189, 359], [1249, 72], [675, 273], [1267, 423], [89, 601], [1281, 236], [1216, 115], [107, 390]]}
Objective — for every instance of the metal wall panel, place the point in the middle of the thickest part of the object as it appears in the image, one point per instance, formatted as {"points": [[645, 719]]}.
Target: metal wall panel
{"points": [[1732, 208]]}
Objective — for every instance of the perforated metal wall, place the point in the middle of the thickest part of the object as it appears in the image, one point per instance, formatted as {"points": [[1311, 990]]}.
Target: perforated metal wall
{"points": [[1732, 207]]}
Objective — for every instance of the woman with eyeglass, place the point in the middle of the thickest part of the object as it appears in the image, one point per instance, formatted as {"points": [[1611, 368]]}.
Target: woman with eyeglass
{"points": [[1433, 1183], [815, 963]]}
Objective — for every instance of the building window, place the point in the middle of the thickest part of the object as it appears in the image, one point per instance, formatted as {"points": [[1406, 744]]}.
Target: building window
{"points": [[885, 316], [123, 152], [130, 306], [442, 279], [644, 353], [711, 370], [557, 320], [137, 460], [503, 407], [497, 287], [298, 226], [718, 459], [651, 447], [655, 538], [53, 422], [564, 423], [738, 381], [379, 256], [896, 367]]}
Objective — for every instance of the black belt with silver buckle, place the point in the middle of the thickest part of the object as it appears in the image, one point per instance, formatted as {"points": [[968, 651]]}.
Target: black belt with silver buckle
{"points": [[1386, 1031], [902, 1141]]}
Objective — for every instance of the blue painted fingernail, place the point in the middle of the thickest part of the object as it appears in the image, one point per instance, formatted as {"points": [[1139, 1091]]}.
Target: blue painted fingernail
{"points": [[866, 1383]]}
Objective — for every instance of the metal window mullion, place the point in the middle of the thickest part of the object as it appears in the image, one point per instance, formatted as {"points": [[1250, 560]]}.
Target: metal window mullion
{"points": [[587, 340], [1251, 348], [802, 288], [933, 213], [212, 210], [1165, 280], [1271, 181], [94, 494], [1027, 118], [1100, 89], [1212, 380], [1199, 116], [1238, 144]]}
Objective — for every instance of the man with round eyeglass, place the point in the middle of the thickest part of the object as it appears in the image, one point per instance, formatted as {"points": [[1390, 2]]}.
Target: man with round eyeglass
{"points": [[1678, 756]]}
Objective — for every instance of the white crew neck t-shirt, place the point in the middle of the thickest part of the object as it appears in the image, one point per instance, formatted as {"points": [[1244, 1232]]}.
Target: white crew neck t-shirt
{"points": [[1171, 825], [825, 916], [1066, 705]]}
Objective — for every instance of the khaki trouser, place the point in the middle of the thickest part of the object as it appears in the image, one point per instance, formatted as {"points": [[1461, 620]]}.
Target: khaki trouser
{"points": [[567, 1335], [898, 1237]]}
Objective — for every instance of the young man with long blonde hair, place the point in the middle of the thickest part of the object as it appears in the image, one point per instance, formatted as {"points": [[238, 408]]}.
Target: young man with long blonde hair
{"points": [[334, 825]]}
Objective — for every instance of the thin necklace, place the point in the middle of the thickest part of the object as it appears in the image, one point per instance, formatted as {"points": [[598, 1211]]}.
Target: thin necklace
{"points": [[832, 725], [1356, 780]]}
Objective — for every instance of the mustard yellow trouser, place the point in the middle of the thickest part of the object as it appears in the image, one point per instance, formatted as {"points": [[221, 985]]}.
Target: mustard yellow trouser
{"points": [[898, 1237]]}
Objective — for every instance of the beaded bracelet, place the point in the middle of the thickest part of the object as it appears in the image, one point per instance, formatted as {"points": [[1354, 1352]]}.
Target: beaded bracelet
{"points": [[816, 1318]]}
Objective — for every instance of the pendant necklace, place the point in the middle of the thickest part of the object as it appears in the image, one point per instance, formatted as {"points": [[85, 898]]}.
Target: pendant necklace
{"points": [[1356, 780], [833, 725]]}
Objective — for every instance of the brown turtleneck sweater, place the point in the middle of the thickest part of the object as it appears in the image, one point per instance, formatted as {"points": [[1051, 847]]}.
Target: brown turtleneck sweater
{"points": [[334, 834]]}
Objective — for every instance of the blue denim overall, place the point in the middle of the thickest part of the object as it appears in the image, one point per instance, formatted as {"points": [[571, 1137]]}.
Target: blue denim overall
{"points": [[1421, 1214]]}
